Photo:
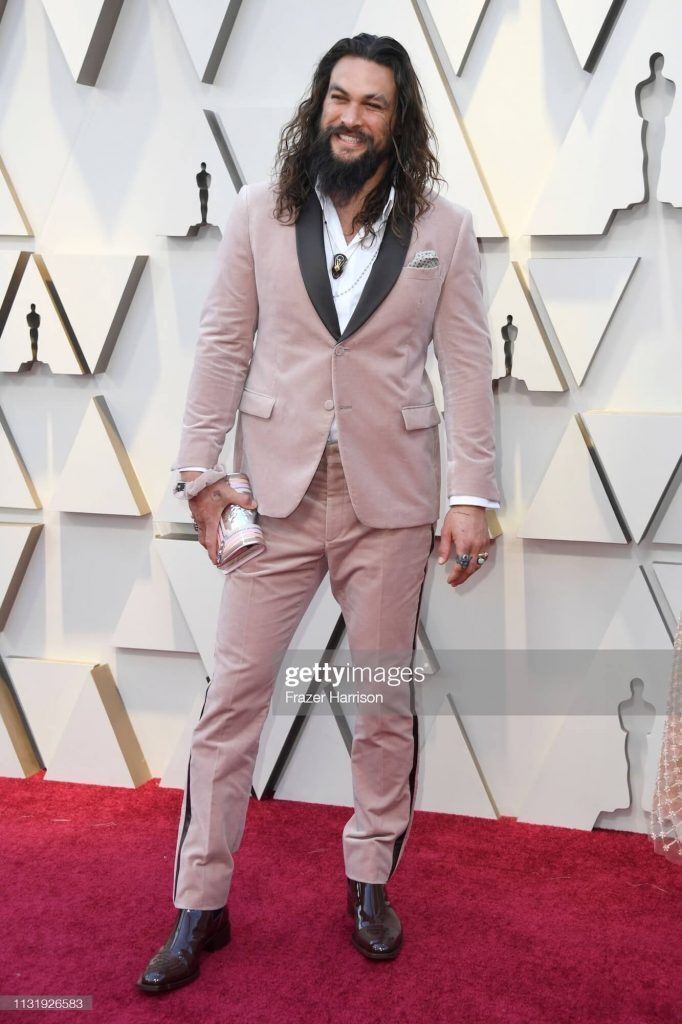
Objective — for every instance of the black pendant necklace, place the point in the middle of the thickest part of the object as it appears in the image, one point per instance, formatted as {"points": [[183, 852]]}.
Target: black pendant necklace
{"points": [[338, 263]]}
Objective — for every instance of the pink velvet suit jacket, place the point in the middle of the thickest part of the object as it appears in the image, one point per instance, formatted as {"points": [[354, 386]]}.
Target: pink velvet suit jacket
{"points": [[272, 279]]}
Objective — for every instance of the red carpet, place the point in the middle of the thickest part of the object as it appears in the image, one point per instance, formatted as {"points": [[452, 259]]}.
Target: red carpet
{"points": [[503, 922]]}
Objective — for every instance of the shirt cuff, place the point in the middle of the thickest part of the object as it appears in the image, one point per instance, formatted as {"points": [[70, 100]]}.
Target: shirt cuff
{"points": [[468, 499], [189, 469]]}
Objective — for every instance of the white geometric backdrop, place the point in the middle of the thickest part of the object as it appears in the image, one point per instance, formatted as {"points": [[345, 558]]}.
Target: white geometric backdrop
{"points": [[545, 111]]}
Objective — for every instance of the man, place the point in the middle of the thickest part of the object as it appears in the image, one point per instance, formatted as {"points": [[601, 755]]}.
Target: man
{"points": [[347, 266]]}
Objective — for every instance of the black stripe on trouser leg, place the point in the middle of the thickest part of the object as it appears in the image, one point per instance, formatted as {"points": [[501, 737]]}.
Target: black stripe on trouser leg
{"points": [[398, 845], [188, 808]]}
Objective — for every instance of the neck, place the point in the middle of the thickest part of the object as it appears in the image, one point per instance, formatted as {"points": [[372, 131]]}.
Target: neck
{"points": [[349, 209]]}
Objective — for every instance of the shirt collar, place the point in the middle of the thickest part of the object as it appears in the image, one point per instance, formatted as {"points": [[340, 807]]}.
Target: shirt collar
{"points": [[383, 217]]}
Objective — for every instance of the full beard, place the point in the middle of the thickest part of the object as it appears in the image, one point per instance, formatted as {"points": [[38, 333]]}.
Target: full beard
{"points": [[342, 179]]}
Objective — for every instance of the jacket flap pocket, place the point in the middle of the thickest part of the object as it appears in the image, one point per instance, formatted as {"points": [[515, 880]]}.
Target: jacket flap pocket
{"points": [[256, 404], [416, 416]]}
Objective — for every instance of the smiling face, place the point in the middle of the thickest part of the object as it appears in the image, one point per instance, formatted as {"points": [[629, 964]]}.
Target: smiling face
{"points": [[354, 137], [359, 107]]}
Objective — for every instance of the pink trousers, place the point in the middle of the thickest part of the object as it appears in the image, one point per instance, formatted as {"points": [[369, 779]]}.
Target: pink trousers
{"points": [[377, 576]]}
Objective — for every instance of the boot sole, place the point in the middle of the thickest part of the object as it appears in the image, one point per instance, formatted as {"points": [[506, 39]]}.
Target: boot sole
{"points": [[217, 941]]}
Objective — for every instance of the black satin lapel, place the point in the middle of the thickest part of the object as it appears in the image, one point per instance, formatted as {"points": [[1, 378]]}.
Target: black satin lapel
{"points": [[312, 260], [383, 276]]}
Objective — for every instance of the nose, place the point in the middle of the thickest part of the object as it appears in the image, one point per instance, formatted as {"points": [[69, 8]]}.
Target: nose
{"points": [[352, 115]]}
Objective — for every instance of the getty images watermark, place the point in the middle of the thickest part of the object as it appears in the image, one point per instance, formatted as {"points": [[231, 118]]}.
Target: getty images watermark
{"points": [[346, 684], [475, 682]]}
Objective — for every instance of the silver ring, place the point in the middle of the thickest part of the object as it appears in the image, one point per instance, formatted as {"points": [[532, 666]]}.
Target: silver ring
{"points": [[196, 526], [463, 560], [482, 557]]}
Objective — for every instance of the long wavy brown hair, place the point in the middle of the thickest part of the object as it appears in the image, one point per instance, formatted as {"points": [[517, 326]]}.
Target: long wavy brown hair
{"points": [[413, 167]]}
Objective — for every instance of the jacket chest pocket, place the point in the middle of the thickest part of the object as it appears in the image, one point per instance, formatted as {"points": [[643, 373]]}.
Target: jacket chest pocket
{"points": [[424, 274]]}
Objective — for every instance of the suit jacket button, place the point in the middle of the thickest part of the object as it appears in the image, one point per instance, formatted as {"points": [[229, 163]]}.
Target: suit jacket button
{"points": [[329, 404], [339, 350]]}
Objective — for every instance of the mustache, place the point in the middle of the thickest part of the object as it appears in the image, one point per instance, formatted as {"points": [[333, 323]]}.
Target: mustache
{"points": [[343, 130]]}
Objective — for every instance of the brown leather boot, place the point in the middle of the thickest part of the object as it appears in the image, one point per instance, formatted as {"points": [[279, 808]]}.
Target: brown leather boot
{"points": [[177, 962], [378, 933]]}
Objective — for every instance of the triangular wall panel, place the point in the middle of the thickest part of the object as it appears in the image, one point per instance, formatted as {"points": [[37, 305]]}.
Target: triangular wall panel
{"points": [[79, 721], [17, 544], [152, 619], [584, 22], [17, 488], [571, 503], [206, 28], [54, 345], [639, 452], [159, 690], [531, 359], [84, 29], [98, 744], [95, 293], [98, 476], [452, 29], [580, 296], [450, 781], [48, 691]]}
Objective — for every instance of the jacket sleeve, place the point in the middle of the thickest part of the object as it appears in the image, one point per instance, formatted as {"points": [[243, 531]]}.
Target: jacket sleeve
{"points": [[462, 344], [227, 328]]}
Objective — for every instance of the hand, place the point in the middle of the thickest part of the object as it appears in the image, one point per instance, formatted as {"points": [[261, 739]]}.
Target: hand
{"points": [[207, 508], [465, 529]]}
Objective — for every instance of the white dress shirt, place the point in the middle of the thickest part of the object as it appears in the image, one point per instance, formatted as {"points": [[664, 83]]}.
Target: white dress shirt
{"points": [[361, 253]]}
